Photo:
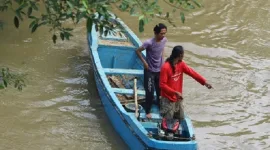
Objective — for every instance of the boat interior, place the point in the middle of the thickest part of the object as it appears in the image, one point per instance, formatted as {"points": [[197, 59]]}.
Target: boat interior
{"points": [[121, 66]]}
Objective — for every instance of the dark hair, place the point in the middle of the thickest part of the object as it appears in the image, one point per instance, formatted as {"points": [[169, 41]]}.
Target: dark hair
{"points": [[177, 50], [159, 27]]}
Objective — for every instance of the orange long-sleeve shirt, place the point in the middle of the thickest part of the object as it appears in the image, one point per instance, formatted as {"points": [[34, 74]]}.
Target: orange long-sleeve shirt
{"points": [[171, 82]]}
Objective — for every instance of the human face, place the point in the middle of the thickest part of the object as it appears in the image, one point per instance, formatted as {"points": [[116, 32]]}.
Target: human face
{"points": [[161, 35], [178, 59], [181, 56]]}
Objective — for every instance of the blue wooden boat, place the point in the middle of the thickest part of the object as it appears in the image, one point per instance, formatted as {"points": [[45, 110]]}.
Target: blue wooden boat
{"points": [[114, 56]]}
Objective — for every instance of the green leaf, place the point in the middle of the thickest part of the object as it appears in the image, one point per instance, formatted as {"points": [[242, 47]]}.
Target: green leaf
{"points": [[34, 28], [32, 17], [69, 12], [141, 25], [132, 11], [54, 38], [29, 12], [70, 4], [154, 3], [82, 9], [18, 13], [89, 24], [34, 6], [141, 17], [67, 35], [22, 12], [124, 6], [85, 4], [197, 3], [62, 36], [32, 24], [5, 82], [146, 20], [182, 17], [16, 22], [22, 6], [171, 1], [190, 6], [79, 16], [42, 23]]}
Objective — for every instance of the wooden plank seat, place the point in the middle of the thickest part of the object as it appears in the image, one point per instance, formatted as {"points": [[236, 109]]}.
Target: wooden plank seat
{"points": [[116, 71], [128, 91]]}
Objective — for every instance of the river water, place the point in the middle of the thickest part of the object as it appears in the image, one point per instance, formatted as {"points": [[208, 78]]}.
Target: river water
{"points": [[227, 41]]}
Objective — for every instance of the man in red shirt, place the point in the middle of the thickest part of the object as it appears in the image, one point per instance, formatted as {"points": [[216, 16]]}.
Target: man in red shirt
{"points": [[171, 83]]}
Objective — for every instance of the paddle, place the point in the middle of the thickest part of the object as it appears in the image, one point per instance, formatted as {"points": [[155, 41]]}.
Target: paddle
{"points": [[135, 98]]}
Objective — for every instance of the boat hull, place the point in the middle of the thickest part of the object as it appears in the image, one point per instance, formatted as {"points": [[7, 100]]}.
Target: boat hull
{"points": [[126, 124]]}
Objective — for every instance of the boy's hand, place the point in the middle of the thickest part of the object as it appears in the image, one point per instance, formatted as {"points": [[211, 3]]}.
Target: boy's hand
{"points": [[209, 86], [179, 95]]}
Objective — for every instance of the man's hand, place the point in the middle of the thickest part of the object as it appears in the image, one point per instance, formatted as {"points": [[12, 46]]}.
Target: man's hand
{"points": [[145, 66], [209, 86], [179, 95]]}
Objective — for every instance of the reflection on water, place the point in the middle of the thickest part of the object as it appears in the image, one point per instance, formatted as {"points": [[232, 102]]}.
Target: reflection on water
{"points": [[60, 108], [226, 41]]}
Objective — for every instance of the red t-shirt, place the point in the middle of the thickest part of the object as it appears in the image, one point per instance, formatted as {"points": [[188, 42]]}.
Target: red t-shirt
{"points": [[170, 83]]}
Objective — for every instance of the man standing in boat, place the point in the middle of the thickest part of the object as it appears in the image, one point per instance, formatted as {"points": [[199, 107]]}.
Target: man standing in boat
{"points": [[171, 83], [154, 59]]}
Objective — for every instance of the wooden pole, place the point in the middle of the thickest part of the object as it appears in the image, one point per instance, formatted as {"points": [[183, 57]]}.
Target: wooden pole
{"points": [[135, 98]]}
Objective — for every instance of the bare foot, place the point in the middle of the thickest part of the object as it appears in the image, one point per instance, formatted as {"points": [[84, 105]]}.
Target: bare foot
{"points": [[149, 116]]}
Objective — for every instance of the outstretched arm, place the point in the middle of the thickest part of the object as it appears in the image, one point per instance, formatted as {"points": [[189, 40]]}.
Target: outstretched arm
{"points": [[189, 71], [196, 76]]}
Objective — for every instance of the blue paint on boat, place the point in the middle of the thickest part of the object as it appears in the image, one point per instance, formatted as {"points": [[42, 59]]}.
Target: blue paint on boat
{"points": [[122, 60]]}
